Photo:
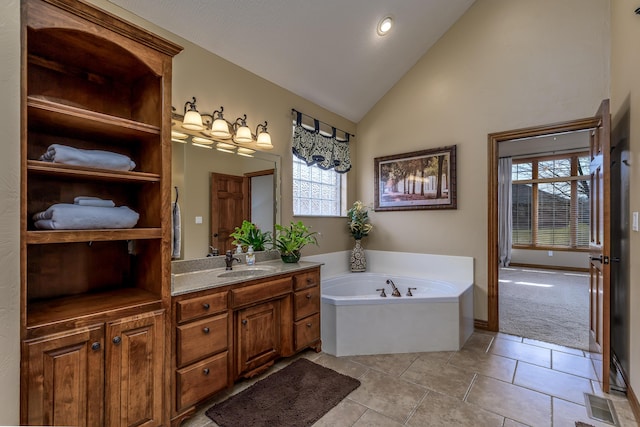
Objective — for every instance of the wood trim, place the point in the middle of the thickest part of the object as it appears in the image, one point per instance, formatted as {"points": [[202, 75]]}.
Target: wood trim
{"points": [[481, 324], [493, 139], [549, 267], [260, 173], [117, 25], [633, 401]]}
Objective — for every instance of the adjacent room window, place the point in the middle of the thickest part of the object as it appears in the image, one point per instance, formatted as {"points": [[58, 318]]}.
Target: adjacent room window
{"points": [[317, 192], [550, 202]]}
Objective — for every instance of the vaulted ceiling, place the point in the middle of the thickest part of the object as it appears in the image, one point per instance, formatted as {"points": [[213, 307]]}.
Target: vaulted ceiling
{"points": [[327, 51]]}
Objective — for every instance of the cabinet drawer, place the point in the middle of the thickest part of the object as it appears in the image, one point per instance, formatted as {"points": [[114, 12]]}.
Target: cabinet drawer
{"points": [[306, 280], [199, 339], [260, 292], [306, 302], [196, 308], [307, 331], [201, 380]]}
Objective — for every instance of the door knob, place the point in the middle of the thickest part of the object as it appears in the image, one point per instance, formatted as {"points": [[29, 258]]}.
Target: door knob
{"points": [[599, 258], [215, 234]]}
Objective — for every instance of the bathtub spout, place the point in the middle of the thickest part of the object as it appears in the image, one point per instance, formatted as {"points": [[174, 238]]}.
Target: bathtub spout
{"points": [[396, 292]]}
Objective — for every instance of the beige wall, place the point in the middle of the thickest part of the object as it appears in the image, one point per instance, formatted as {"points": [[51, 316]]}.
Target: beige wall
{"points": [[625, 95], [504, 65], [10, 212]]}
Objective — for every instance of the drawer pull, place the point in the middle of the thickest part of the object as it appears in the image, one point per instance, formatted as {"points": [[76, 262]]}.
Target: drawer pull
{"points": [[205, 330], [308, 296], [205, 371], [206, 306], [309, 325]]}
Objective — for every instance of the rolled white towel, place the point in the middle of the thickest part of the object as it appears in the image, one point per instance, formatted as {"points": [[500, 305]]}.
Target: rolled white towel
{"points": [[93, 201], [64, 154], [65, 216]]}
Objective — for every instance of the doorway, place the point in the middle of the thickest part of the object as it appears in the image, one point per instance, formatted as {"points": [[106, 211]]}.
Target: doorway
{"points": [[544, 238]]}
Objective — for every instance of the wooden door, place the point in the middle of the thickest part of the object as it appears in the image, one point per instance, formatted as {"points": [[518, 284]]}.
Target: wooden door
{"points": [[135, 371], [257, 336], [64, 381], [228, 208], [599, 268]]}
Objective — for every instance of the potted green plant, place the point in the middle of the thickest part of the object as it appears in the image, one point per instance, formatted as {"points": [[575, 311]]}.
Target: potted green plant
{"points": [[248, 234], [290, 240]]}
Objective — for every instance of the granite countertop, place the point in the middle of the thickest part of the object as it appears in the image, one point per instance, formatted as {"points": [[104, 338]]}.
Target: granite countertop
{"points": [[199, 280]]}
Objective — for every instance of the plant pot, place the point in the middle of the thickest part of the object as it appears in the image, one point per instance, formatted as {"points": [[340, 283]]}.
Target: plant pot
{"points": [[358, 259], [292, 257]]}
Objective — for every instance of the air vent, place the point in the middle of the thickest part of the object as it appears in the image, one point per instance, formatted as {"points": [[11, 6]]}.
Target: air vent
{"points": [[601, 409]]}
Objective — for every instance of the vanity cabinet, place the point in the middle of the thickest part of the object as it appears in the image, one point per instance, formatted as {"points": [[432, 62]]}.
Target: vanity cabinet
{"points": [[202, 337], [93, 81], [239, 330], [101, 375], [306, 329]]}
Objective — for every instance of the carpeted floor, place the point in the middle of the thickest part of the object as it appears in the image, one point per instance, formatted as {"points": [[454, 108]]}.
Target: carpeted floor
{"points": [[546, 305]]}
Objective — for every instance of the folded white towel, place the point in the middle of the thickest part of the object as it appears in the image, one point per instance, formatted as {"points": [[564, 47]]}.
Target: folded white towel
{"points": [[93, 201], [57, 153], [64, 216]]}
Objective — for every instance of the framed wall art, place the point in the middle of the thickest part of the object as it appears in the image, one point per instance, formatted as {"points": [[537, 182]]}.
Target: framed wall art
{"points": [[423, 179]]}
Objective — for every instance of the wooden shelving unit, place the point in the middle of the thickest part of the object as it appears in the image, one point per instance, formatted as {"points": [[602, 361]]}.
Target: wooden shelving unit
{"points": [[94, 303]]}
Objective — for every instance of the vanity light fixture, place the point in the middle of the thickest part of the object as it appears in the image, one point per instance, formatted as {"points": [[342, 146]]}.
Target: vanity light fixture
{"points": [[263, 139], [219, 127], [384, 26], [192, 118], [244, 151], [242, 131]]}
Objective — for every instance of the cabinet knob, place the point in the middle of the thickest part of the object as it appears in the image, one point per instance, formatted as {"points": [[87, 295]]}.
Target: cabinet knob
{"points": [[117, 340], [308, 296], [205, 330], [309, 325], [205, 371], [95, 346], [205, 306], [244, 321], [309, 280]]}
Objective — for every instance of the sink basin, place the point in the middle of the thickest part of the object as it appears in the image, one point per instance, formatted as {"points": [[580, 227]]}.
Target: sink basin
{"points": [[247, 272]]}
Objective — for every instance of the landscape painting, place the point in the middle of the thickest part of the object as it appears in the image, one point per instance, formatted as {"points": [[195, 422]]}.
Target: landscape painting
{"points": [[419, 180]]}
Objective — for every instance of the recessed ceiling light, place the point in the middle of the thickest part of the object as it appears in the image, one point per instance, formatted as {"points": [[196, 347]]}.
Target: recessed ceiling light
{"points": [[384, 26]]}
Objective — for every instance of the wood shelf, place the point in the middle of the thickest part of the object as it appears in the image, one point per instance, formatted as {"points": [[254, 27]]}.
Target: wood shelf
{"points": [[56, 115], [70, 171], [72, 236], [87, 308]]}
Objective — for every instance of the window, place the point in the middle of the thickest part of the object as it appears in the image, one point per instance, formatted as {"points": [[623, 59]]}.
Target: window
{"points": [[317, 192], [550, 202]]}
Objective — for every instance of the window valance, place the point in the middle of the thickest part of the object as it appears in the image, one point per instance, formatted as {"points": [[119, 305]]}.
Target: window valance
{"points": [[327, 152]]}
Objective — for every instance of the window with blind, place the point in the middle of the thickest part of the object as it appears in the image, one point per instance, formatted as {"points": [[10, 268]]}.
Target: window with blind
{"points": [[550, 202]]}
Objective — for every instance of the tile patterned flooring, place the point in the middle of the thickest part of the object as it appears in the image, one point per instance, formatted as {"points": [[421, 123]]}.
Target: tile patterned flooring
{"points": [[494, 380]]}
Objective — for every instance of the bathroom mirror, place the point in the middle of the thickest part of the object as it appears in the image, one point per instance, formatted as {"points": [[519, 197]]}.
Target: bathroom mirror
{"points": [[192, 169]]}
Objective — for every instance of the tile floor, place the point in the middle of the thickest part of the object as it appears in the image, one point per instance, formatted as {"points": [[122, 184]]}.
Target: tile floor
{"points": [[495, 380]]}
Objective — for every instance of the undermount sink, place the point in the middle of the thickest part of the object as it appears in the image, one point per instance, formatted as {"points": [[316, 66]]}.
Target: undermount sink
{"points": [[247, 272]]}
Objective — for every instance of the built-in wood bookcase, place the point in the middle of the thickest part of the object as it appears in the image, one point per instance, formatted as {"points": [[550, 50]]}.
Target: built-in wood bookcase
{"points": [[93, 81]]}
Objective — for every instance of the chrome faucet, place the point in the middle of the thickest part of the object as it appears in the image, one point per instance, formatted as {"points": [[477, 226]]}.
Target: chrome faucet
{"points": [[228, 259], [396, 292]]}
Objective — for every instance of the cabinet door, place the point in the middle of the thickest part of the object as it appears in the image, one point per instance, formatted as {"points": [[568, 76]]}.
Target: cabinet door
{"points": [[135, 371], [64, 379], [257, 336]]}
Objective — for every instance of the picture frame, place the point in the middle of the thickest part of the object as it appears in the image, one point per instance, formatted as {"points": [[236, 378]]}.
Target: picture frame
{"points": [[423, 179]]}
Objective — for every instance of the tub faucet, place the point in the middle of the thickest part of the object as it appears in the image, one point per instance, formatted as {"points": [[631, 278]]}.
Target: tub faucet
{"points": [[396, 292], [228, 259]]}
